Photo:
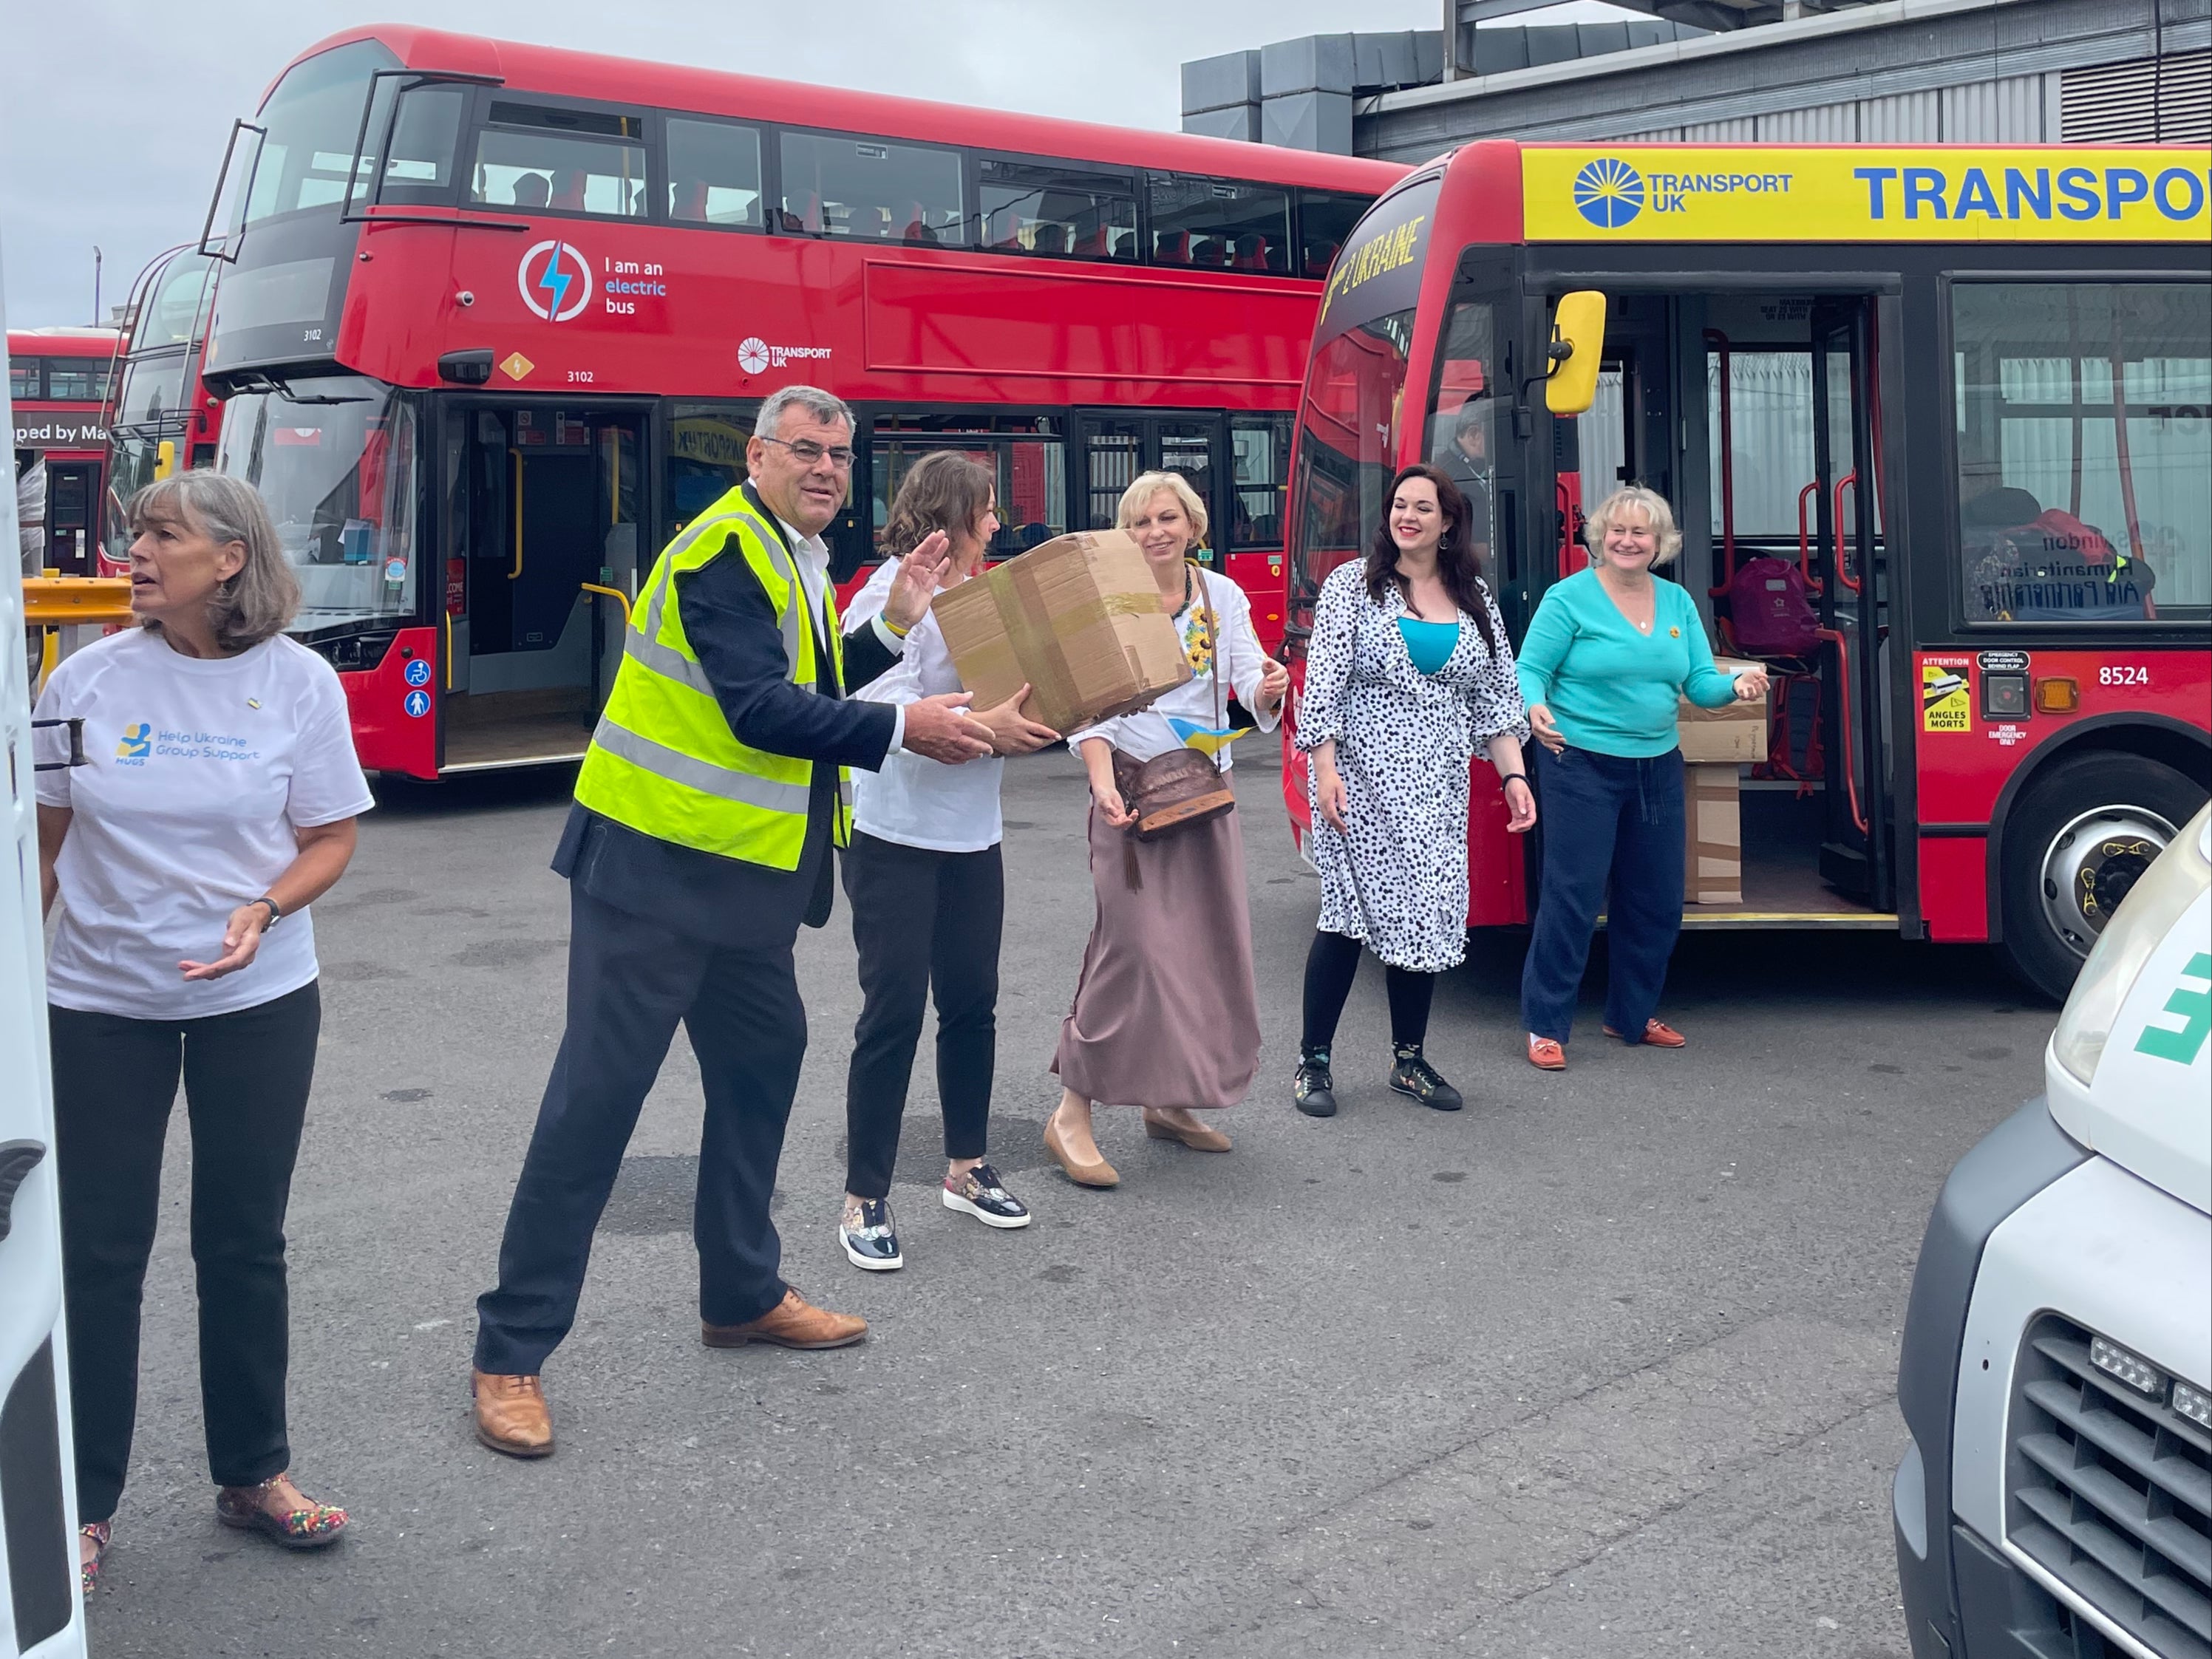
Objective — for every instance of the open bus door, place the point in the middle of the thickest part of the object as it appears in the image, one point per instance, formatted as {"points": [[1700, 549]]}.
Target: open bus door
{"points": [[541, 558], [1855, 856]]}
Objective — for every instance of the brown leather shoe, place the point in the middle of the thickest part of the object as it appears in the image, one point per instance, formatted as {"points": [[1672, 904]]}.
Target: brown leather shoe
{"points": [[1545, 1055], [1199, 1137], [511, 1415], [793, 1323], [1098, 1174], [1657, 1034]]}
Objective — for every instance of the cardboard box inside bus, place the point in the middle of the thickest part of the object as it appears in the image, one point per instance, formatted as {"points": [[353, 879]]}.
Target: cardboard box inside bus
{"points": [[1713, 837], [1736, 732], [1078, 619]]}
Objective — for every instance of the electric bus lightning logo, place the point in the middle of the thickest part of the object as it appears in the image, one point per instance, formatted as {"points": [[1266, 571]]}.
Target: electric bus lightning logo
{"points": [[555, 281], [1609, 192]]}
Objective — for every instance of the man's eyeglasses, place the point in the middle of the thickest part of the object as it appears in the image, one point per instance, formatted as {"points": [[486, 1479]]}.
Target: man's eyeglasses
{"points": [[807, 452]]}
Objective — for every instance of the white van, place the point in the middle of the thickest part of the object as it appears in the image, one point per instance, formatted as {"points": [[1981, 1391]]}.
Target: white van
{"points": [[39, 1611], [2055, 1501]]}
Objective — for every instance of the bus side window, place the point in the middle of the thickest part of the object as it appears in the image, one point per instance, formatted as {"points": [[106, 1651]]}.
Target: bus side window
{"points": [[1213, 222], [2083, 496], [872, 188], [1259, 460], [713, 174], [532, 160]]}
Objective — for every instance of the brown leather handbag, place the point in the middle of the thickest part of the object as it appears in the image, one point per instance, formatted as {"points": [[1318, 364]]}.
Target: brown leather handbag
{"points": [[1182, 788]]}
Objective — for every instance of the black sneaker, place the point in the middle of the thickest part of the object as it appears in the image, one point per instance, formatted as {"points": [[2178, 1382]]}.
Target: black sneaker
{"points": [[981, 1193], [1412, 1074], [1313, 1090], [871, 1236]]}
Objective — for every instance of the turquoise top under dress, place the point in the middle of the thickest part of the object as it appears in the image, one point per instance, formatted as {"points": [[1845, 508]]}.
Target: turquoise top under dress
{"points": [[1429, 644]]}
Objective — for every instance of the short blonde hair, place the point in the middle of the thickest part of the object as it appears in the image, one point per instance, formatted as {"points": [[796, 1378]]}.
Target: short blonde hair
{"points": [[260, 601], [1656, 513], [1146, 485]]}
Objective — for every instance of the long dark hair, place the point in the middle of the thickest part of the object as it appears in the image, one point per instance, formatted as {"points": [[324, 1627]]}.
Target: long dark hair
{"points": [[943, 490], [1458, 566]]}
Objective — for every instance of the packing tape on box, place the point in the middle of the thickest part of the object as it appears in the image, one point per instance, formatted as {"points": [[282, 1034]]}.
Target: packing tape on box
{"points": [[1035, 636]]}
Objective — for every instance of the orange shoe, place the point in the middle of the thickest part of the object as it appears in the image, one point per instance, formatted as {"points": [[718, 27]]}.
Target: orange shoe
{"points": [[1657, 1034], [1545, 1055]]}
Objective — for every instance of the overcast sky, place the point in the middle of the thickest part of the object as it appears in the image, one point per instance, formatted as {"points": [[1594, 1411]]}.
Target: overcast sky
{"points": [[113, 112]]}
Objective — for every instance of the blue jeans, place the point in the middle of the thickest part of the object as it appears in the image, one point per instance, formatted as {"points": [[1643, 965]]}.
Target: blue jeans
{"points": [[1605, 816]]}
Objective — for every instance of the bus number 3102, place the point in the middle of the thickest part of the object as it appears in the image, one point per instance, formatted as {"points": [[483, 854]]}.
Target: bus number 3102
{"points": [[2126, 673]]}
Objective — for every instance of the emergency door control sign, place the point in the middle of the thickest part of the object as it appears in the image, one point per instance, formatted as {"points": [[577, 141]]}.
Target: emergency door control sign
{"points": [[1946, 703]]}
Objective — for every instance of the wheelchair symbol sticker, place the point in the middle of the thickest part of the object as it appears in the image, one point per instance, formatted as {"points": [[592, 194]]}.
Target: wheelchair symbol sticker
{"points": [[418, 672], [418, 703]]}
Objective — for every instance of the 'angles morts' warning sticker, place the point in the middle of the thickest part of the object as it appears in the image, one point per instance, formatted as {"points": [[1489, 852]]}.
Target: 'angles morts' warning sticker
{"points": [[1945, 703]]}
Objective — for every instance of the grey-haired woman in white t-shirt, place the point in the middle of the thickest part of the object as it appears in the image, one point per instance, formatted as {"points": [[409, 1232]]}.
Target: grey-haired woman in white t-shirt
{"points": [[217, 803]]}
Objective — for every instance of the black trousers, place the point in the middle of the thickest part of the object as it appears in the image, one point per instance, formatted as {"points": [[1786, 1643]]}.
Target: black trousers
{"points": [[246, 1077], [925, 923], [630, 983], [1331, 963]]}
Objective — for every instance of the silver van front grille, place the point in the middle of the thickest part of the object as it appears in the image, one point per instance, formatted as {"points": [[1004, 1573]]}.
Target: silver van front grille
{"points": [[2110, 1491]]}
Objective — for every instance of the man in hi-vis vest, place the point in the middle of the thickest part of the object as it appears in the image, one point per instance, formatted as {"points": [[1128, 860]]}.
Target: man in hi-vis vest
{"points": [[705, 811]]}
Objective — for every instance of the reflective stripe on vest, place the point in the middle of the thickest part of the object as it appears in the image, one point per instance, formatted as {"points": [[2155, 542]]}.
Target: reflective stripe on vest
{"points": [[664, 759]]}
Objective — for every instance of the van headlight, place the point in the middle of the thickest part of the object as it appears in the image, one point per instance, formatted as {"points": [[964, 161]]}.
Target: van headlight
{"points": [[2149, 913]]}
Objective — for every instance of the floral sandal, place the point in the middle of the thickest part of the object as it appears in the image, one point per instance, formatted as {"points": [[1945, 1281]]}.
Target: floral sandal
{"points": [[88, 1572], [303, 1525]]}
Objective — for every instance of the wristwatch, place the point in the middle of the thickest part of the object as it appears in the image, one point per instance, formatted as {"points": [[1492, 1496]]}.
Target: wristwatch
{"points": [[275, 912]]}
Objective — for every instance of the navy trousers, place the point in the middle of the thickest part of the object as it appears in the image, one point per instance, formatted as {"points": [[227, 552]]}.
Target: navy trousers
{"points": [[1605, 817], [631, 981]]}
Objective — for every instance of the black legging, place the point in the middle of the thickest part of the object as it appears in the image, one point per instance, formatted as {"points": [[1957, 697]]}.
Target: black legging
{"points": [[1331, 966]]}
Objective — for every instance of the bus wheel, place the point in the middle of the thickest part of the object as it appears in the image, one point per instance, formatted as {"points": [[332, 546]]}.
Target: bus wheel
{"points": [[2076, 842]]}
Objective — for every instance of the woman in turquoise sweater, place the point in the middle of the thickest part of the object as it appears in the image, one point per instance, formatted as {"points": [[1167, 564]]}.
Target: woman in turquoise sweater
{"points": [[1611, 653]]}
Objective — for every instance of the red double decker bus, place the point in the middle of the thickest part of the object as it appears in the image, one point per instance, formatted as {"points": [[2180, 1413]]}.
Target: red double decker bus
{"points": [[160, 416], [58, 383], [1963, 396], [493, 320]]}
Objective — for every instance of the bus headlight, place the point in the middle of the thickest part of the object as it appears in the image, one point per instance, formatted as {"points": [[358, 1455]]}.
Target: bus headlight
{"points": [[2151, 906]]}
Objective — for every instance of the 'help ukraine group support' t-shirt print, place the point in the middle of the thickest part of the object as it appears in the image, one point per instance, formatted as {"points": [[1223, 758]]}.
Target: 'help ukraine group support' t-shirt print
{"points": [[144, 741]]}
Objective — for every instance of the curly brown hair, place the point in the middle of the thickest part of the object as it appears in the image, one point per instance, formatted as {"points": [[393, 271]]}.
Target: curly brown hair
{"points": [[943, 490], [1458, 565]]}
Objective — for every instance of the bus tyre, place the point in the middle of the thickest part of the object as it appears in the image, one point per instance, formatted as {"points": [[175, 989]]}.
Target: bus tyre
{"points": [[2076, 842]]}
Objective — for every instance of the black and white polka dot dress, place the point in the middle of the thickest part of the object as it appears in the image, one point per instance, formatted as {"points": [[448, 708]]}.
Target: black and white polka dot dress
{"points": [[1397, 879]]}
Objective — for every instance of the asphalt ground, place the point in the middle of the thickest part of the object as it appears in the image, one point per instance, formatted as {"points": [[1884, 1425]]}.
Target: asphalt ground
{"points": [[1603, 1365]]}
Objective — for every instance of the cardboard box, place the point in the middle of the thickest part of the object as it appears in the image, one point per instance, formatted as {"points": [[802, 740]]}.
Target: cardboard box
{"points": [[1713, 835], [1078, 619], [1736, 732]]}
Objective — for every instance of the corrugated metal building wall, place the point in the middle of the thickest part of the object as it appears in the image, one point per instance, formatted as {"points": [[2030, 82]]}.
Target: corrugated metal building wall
{"points": [[1901, 71]]}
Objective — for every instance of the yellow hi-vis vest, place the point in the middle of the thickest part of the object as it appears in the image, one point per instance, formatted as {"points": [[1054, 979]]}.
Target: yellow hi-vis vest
{"points": [[664, 759]]}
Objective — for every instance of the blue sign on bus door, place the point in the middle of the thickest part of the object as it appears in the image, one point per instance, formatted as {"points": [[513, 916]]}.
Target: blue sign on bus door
{"points": [[418, 672], [418, 702]]}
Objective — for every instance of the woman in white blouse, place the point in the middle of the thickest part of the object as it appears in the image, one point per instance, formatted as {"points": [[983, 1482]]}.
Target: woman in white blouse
{"points": [[217, 802], [1165, 1015], [929, 892]]}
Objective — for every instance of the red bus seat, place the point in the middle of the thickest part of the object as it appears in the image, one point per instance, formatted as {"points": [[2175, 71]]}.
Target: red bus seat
{"points": [[1251, 253], [1092, 245], [569, 191], [690, 202], [1213, 251], [1171, 247], [1049, 239]]}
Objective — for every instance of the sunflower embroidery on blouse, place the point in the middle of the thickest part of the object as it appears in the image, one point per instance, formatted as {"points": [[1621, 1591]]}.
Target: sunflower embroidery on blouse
{"points": [[1197, 642]]}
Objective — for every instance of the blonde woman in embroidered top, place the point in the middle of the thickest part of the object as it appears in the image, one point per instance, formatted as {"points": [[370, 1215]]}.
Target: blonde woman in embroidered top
{"points": [[1165, 1016]]}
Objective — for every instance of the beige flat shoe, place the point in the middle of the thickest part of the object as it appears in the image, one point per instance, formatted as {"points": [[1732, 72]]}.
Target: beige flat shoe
{"points": [[1198, 1137], [1098, 1174]]}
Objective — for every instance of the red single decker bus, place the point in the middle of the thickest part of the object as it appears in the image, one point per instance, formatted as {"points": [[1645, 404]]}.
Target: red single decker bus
{"points": [[58, 382], [493, 319], [160, 417], [1946, 411]]}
